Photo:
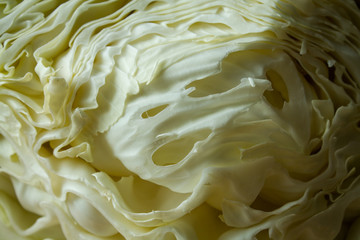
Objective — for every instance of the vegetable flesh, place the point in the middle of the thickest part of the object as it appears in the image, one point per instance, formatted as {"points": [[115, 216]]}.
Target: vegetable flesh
{"points": [[179, 119]]}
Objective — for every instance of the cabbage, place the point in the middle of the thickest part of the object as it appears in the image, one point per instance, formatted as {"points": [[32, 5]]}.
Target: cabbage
{"points": [[178, 119]]}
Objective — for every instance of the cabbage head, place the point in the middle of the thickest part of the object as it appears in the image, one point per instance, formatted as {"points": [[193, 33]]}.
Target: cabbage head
{"points": [[179, 119]]}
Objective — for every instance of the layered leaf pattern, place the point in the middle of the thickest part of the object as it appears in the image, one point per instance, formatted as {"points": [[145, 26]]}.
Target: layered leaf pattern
{"points": [[179, 119]]}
